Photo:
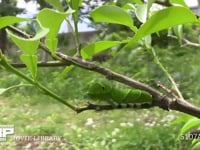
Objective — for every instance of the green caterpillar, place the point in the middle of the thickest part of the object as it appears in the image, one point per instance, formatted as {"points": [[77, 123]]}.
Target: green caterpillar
{"points": [[119, 97]]}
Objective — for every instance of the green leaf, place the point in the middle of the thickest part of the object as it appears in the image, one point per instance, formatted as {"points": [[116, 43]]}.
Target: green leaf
{"points": [[164, 19], [64, 73], [8, 20], [31, 63], [113, 14], [178, 30], [56, 4], [28, 46], [194, 122], [97, 47], [149, 4], [75, 4], [195, 141], [136, 1], [4, 90], [196, 146], [52, 20], [181, 119], [147, 41], [141, 12], [52, 44]]}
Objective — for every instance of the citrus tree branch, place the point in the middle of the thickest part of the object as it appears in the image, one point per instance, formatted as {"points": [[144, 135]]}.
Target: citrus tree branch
{"points": [[159, 99], [167, 74]]}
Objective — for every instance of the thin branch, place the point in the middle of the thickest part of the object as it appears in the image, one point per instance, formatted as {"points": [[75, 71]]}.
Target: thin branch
{"points": [[186, 41], [159, 99], [169, 91], [167, 74], [40, 64], [109, 74]]}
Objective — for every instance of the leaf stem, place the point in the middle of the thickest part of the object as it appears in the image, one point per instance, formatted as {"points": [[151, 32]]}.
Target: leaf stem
{"points": [[167, 74], [7, 66], [77, 40]]}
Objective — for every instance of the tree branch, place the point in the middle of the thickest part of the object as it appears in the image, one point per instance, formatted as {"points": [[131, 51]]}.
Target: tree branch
{"points": [[159, 99], [40, 64], [179, 94]]}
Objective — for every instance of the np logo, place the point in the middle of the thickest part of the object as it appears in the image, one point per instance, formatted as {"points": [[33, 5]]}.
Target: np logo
{"points": [[6, 130]]}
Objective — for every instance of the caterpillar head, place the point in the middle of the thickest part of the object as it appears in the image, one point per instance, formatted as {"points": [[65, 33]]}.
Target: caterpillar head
{"points": [[99, 89]]}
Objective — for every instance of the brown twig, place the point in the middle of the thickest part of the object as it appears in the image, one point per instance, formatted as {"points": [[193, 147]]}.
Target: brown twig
{"points": [[179, 94], [186, 41], [159, 99], [40, 64], [169, 91]]}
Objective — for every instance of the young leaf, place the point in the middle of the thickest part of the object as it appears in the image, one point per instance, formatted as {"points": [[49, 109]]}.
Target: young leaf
{"points": [[113, 14], [149, 4], [31, 63], [75, 4], [196, 146], [194, 122], [8, 20], [52, 44], [141, 12], [97, 47], [164, 19], [28, 46], [178, 30], [63, 74], [147, 41], [196, 141], [52, 20]]}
